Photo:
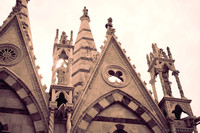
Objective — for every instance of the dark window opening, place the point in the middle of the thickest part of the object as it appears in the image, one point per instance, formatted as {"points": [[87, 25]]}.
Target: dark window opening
{"points": [[63, 55], [115, 76], [61, 99], [178, 111], [1, 127], [120, 131]]}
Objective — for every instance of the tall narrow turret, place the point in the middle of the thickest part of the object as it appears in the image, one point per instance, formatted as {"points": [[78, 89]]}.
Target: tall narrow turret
{"points": [[85, 53], [61, 89]]}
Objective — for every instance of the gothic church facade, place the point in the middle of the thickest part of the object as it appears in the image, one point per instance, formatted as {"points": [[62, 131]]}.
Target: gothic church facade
{"points": [[83, 96]]}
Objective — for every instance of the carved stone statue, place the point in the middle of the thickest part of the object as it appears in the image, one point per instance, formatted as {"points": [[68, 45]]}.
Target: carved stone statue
{"points": [[165, 75], [61, 74]]}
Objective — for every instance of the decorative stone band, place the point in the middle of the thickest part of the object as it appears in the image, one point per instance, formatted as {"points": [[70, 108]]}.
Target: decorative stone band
{"points": [[26, 97], [82, 58], [84, 30], [134, 106], [86, 48], [84, 38]]}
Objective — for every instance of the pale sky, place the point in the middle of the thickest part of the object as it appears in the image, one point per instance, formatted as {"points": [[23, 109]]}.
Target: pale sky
{"points": [[138, 24]]}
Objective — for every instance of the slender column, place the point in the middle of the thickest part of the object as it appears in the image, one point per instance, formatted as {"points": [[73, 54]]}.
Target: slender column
{"points": [[70, 97], [175, 73], [70, 72], [53, 81], [68, 124], [70, 61], [51, 121], [69, 109], [172, 126], [195, 129], [170, 119]]}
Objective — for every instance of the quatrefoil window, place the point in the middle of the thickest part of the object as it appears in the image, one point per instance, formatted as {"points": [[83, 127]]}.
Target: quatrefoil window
{"points": [[115, 76]]}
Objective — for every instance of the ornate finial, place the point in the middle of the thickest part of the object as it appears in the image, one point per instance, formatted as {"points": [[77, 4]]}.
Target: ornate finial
{"points": [[56, 38], [18, 6], [85, 12], [169, 53], [109, 26], [85, 15], [148, 61], [63, 39], [154, 47], [57, 30], [71, 38]]}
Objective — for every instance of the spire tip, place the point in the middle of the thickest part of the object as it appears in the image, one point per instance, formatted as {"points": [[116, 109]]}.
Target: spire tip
{"points": [[85, 15]]}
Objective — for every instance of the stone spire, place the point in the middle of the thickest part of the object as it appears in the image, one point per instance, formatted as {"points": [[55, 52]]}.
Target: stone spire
{"points": [[61, 90], [85, 52], [85, 34]]}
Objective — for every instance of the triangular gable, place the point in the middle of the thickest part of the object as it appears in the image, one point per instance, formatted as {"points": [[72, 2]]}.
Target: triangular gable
{"points": [[113, 60], [15, 38]]}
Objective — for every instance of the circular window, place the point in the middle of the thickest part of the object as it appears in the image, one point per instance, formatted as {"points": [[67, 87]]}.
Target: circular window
{"points": [[9, 54], [115, 76]]}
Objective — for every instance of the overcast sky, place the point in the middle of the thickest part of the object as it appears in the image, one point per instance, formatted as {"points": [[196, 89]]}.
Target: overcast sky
{"points": [[138, 24]]}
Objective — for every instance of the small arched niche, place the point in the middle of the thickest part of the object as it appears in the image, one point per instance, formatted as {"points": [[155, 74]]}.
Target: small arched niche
{"points": [[179, 112], [61, 99]]}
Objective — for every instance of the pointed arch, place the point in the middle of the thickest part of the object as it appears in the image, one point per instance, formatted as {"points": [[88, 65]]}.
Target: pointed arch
{"points": [[183, 108], [177, 109], [168, 66], [26, 97], [121, 97], [60, 51], [65, 94], [61, 99]]}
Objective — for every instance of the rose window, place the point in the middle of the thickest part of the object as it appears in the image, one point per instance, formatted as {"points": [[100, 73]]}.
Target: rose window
{"points": [[9, 54]]}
